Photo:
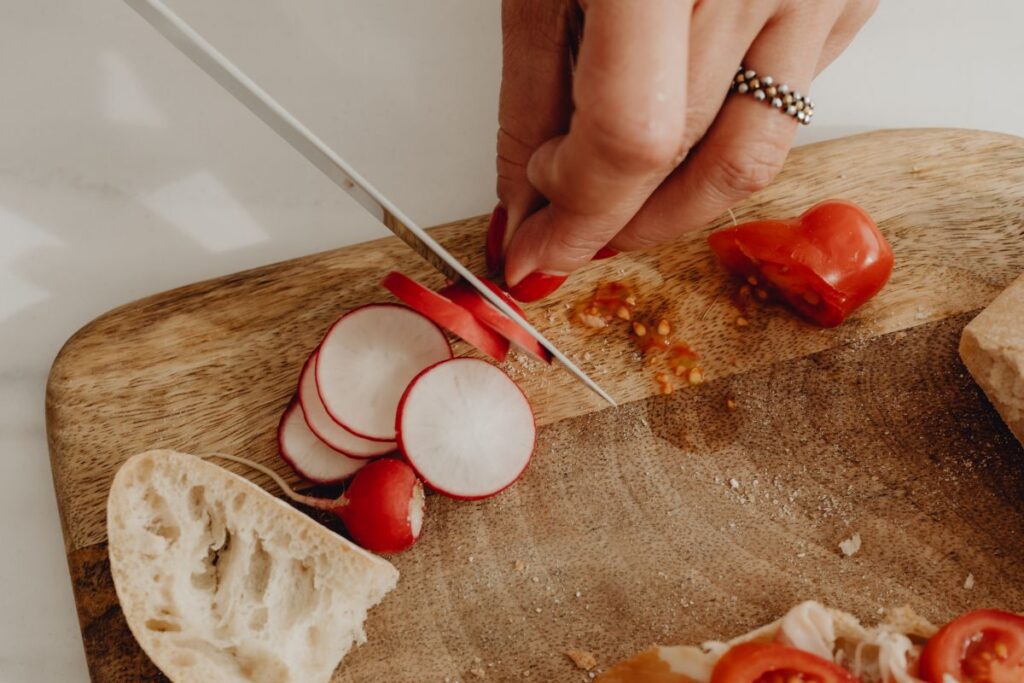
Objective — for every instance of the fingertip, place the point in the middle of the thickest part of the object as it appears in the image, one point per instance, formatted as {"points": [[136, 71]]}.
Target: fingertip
{"points": [[495, 244], [536, 286]]}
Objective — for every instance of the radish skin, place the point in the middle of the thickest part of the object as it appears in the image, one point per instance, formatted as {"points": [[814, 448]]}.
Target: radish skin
{"points": [[466, 428], [323, 425], [448, 314], [310, 457], [367, 359], [463, 294], [382, 510]]}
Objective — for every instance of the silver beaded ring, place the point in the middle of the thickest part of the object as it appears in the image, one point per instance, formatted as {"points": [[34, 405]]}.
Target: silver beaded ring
{"points": [[763, 88]]}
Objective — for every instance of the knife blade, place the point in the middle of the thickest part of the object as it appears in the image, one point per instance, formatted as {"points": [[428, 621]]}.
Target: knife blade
{"points": [[316, 151]]}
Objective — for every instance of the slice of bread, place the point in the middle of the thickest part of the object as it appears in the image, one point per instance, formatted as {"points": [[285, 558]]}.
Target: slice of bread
{"points": [[992, 348], [222, 582]]}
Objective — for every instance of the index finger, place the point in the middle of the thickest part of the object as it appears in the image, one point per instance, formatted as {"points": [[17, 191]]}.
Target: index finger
{"points": [[629, 93]]}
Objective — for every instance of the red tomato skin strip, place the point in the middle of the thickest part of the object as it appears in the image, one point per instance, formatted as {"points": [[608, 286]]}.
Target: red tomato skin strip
{"points": [[749, 662]]}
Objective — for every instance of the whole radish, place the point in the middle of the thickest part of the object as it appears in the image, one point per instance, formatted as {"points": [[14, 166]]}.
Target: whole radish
{"points": [[382, 508]]}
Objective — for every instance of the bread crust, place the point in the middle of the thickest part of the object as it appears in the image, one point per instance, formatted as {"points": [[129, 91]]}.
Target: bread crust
{"points": [[220, 581], [992, 348]]}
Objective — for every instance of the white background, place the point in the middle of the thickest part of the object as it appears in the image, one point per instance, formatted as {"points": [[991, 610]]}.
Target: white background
{"points": [[125, 171]]}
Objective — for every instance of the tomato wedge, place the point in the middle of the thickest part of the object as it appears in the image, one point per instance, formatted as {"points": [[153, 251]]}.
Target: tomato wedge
{"points": [[824, 263], [776, 663], [983, 646]]}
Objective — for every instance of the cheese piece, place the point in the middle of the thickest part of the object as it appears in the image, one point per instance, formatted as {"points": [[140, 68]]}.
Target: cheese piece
{"points": [[992, 348]]}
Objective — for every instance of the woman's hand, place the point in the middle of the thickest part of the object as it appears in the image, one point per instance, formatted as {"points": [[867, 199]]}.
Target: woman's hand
{"points": [[595, 157]]}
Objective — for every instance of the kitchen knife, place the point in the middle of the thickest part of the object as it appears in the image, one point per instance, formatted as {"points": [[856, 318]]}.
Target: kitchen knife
{"points": [[316, 151]]}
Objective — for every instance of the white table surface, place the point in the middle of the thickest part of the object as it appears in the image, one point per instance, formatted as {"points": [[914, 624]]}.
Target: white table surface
{"points": [[125, 171]]}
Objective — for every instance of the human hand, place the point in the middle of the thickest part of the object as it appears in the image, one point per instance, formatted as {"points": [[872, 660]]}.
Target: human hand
{"points": [[594, 158]]}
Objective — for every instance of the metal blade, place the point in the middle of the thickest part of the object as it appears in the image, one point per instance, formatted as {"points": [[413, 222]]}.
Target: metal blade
{"points": [[316, 151]]}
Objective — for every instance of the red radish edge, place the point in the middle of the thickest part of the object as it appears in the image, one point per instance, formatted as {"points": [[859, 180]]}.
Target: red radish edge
{"points": [[433, 482], [383, 507], [381, 415], [466, 296], [331, 466], [446, 313], [326, 428]]}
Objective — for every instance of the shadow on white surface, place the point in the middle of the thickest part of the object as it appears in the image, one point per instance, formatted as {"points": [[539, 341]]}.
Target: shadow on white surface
{"points": [[124, 98]]}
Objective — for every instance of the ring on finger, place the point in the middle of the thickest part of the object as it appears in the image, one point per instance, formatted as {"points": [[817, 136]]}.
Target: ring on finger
{"points": [[780, 96]]}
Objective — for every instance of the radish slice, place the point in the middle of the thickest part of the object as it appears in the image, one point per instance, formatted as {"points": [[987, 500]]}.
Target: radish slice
{"points": [[464, 295], [367, 360], [466, 428], [447, 314], [309, 456], [324, 426]]}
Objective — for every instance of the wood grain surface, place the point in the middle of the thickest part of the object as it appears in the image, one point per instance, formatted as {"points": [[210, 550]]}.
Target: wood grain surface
{"points": [[872, 428]]}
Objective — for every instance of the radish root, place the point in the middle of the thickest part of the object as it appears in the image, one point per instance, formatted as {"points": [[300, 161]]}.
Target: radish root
{"points": [[311, 501]]}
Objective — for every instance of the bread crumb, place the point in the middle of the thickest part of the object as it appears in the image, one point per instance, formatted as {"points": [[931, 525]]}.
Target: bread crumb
{"points": [[519, 566], [733, 484], [582, 659], [851, 545], [478, 672], [969, 582]]}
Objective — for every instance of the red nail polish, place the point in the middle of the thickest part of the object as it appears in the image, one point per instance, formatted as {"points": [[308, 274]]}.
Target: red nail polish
{"points": [[496, 238], [536, 286], [603, 253]]}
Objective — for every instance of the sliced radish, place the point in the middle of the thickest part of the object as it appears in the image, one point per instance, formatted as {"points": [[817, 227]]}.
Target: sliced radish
{"points": [[383, 506], [447, 314], [367, 360], [309, 456], [466, 428], [464, 295], [324, 426]]}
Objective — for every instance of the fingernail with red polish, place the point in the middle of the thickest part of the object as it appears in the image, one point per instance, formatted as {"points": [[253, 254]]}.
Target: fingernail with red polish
{"points": [[496, 238], [603, 253], [536, 286]]}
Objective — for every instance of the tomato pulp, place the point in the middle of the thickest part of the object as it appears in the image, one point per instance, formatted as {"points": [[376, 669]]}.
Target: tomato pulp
{"points": [[983, 646], [824, 263], [776, 663]]}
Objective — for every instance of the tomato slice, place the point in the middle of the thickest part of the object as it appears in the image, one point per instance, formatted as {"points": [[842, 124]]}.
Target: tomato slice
{"points": [[824, 263], [776, 663], [983, 646]]}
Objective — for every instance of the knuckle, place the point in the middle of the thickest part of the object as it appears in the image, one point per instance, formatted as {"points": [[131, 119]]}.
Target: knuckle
{"points": [[637, 143], [740, 171]]}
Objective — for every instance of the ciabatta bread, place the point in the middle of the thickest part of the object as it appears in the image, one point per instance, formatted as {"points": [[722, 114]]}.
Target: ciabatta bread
{"points": [[222, 582], [992, 348]]}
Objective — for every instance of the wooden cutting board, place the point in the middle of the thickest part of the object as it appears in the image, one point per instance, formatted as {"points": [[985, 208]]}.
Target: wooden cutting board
{"points": [[671, 519]]}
